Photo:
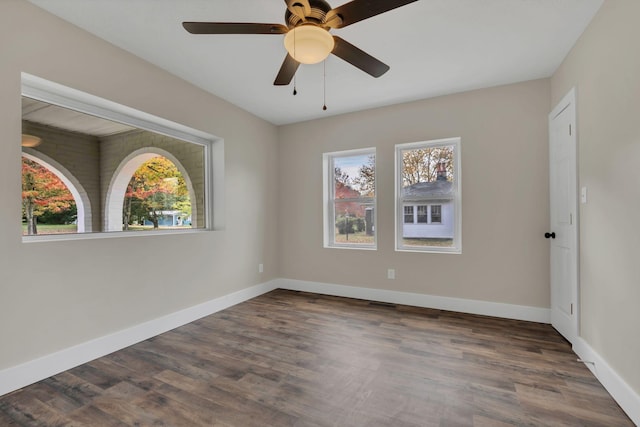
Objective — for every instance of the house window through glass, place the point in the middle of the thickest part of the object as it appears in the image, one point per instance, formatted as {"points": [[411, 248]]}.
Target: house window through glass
{"points": [[408, 214], [423, 214], [436, 214]]}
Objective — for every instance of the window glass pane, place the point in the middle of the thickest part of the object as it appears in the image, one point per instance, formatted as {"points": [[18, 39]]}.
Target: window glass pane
{"points": [[427, 180], [423, 215], [119, 177], [354, 176], [427, 164], [350, 208], [436, 213], [354, 223]]}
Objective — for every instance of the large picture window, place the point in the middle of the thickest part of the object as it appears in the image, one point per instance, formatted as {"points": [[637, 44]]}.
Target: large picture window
{"points": [[350, 199], [91, 166], [428, 202]]}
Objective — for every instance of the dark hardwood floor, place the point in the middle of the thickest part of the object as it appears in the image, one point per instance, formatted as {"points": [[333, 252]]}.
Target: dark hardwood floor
{"points": [[297, 359]]}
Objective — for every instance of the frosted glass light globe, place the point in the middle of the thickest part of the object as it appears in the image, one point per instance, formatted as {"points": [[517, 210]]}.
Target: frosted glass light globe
{"points": [[308, 44]]}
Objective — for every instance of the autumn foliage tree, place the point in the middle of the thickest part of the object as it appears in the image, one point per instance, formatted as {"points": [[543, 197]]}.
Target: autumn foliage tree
{"points": [[366, 179], [42, 192], [350, 211], [156, 186], [344, 191], [421, 165]]}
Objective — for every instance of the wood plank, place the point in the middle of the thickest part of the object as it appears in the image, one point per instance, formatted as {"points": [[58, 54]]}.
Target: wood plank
{"points": [[299, 359]]}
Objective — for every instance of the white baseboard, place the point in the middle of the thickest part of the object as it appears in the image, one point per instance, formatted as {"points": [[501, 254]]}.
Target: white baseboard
{"points": [[16, 377], [626, 397], [496, 309]]}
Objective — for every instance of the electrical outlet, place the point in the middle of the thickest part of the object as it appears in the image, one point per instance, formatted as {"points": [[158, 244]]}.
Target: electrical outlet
{"points": [[583, 195], [391, 273], [260, 268]]}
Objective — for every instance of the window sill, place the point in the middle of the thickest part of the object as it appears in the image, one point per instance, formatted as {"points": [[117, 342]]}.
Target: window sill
{"points": [[452, 251], [361, 248], [107, 235]]}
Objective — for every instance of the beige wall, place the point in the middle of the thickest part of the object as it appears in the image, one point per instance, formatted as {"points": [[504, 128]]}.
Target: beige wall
{"points": [[504, 196], [604, 66], [57, 294]]}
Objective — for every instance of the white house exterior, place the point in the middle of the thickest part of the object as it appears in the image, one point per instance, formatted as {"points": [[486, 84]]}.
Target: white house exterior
{"points": [[428, 210], [171, 219]]}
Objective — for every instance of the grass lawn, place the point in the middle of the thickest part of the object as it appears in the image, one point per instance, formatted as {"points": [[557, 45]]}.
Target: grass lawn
{"points": [[150, 227], [358, 238], [441, 243], [362, 238], [53, 228]]}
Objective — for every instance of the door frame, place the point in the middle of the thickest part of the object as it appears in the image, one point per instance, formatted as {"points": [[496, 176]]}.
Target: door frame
{"points": [[569, 101]]}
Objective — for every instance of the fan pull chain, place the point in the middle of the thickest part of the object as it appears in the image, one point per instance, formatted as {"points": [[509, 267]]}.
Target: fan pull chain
{"points": [[324, 85], [295, 92]]}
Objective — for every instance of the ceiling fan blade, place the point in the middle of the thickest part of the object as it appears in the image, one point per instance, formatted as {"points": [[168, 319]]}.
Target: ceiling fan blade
{"points": [[287, 71], [358, 58], [233, 28], [358, 10], [300, 8]]}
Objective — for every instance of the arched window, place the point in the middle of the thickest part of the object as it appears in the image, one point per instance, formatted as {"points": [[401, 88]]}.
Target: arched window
{"points": [[51, 203], [150, 190], [156, 197], [104, 144]]}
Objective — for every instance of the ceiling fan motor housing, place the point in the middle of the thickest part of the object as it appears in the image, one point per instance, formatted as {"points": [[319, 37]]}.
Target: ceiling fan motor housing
{"points": [[318, 15]]}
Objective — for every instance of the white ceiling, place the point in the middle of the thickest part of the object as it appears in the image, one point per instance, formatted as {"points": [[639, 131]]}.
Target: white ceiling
{"points": [[434, 47]]}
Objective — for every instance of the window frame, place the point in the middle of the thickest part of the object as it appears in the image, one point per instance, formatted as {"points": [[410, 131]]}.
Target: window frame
{"points": [[329, 200], [456, 248], [56, 94]]}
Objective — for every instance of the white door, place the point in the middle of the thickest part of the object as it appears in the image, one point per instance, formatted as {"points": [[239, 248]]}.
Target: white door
{"points": [[563, 208]]}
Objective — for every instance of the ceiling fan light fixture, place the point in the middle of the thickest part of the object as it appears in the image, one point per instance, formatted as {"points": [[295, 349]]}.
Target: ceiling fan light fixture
{"points": [[309, 44], [30, 140]]}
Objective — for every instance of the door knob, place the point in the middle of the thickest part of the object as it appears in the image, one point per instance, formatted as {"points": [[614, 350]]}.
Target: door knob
{"points": [[552, 235]]}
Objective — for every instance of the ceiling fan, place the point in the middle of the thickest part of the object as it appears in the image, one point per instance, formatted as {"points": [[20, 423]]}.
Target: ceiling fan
{"points": [[307, 38]]}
